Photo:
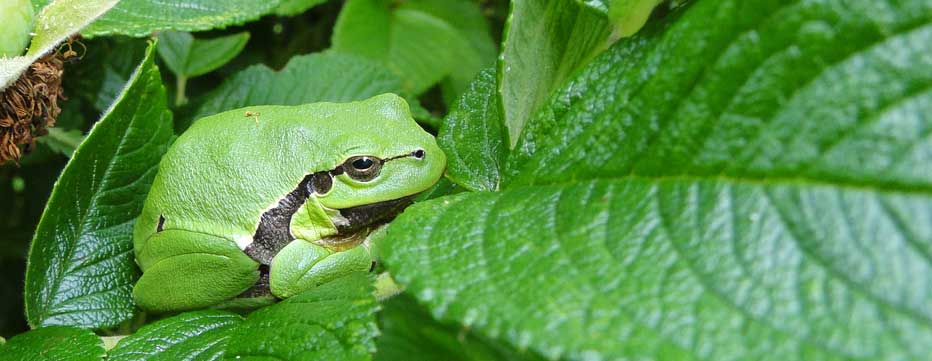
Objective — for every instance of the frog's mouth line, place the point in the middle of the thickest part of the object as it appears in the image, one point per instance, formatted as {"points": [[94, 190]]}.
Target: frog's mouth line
{"points": [[354, 223], [353, 218]]}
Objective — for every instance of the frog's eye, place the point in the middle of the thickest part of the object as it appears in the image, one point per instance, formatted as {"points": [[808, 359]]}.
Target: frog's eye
{"points": [[362, 163], [362, 168]]}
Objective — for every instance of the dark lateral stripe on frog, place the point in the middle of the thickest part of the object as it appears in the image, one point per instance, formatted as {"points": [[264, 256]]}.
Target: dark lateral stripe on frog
{"points": [[261, 288], [274, 231]]}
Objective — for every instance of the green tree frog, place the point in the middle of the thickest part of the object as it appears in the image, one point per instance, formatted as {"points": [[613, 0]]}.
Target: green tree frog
{"points": [[259, 201]]}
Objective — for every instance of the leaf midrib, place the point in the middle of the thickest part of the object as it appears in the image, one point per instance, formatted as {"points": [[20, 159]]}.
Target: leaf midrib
{"points": [[762, 181]]}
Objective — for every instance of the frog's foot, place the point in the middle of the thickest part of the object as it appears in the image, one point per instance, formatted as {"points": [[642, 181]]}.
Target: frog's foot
{"points": [[303, 265], [186, 270]]}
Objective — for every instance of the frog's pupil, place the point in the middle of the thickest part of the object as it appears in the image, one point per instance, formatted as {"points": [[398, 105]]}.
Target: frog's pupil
{"points": [[362, 163]]}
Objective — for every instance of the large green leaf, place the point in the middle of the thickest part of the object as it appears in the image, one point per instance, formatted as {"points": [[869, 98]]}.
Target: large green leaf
{"points": [[54, 24], [81, 268], [545, 42], [334, 321], [678, 269], [473, 136], [747, 180], [140, 18], [198, 335], [306, 79], [54, 343], [423, 41]]}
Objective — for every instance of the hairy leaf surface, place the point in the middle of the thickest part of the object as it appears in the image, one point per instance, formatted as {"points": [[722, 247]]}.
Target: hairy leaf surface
{"points": [[53, 24], [139, 18]]}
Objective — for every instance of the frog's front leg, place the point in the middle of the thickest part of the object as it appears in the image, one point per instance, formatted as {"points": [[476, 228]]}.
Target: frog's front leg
{"points": [[185, 270], [303, 265]]}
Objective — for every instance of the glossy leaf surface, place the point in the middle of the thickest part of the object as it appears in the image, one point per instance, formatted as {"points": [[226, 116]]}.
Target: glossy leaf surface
{"points": [[58, 343], [198, 335], [139, 18]]}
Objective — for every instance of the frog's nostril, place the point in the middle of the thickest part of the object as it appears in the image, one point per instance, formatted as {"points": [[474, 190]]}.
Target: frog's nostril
{"points": [[419, 154]]}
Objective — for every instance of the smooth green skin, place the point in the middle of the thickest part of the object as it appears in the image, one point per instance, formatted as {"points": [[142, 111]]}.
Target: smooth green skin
{"points": [[16, 17], [217, 179]]}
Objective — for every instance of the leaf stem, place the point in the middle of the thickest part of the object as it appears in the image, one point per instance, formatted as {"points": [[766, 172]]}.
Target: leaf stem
{"points": [[180, 83]]}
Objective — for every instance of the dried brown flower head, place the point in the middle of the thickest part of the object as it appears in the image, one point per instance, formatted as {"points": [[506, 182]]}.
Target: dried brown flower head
{"points": [[29, 106]]}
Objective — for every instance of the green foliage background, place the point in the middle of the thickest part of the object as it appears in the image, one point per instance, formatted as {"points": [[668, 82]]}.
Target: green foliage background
{"points": [[738, 180]]}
